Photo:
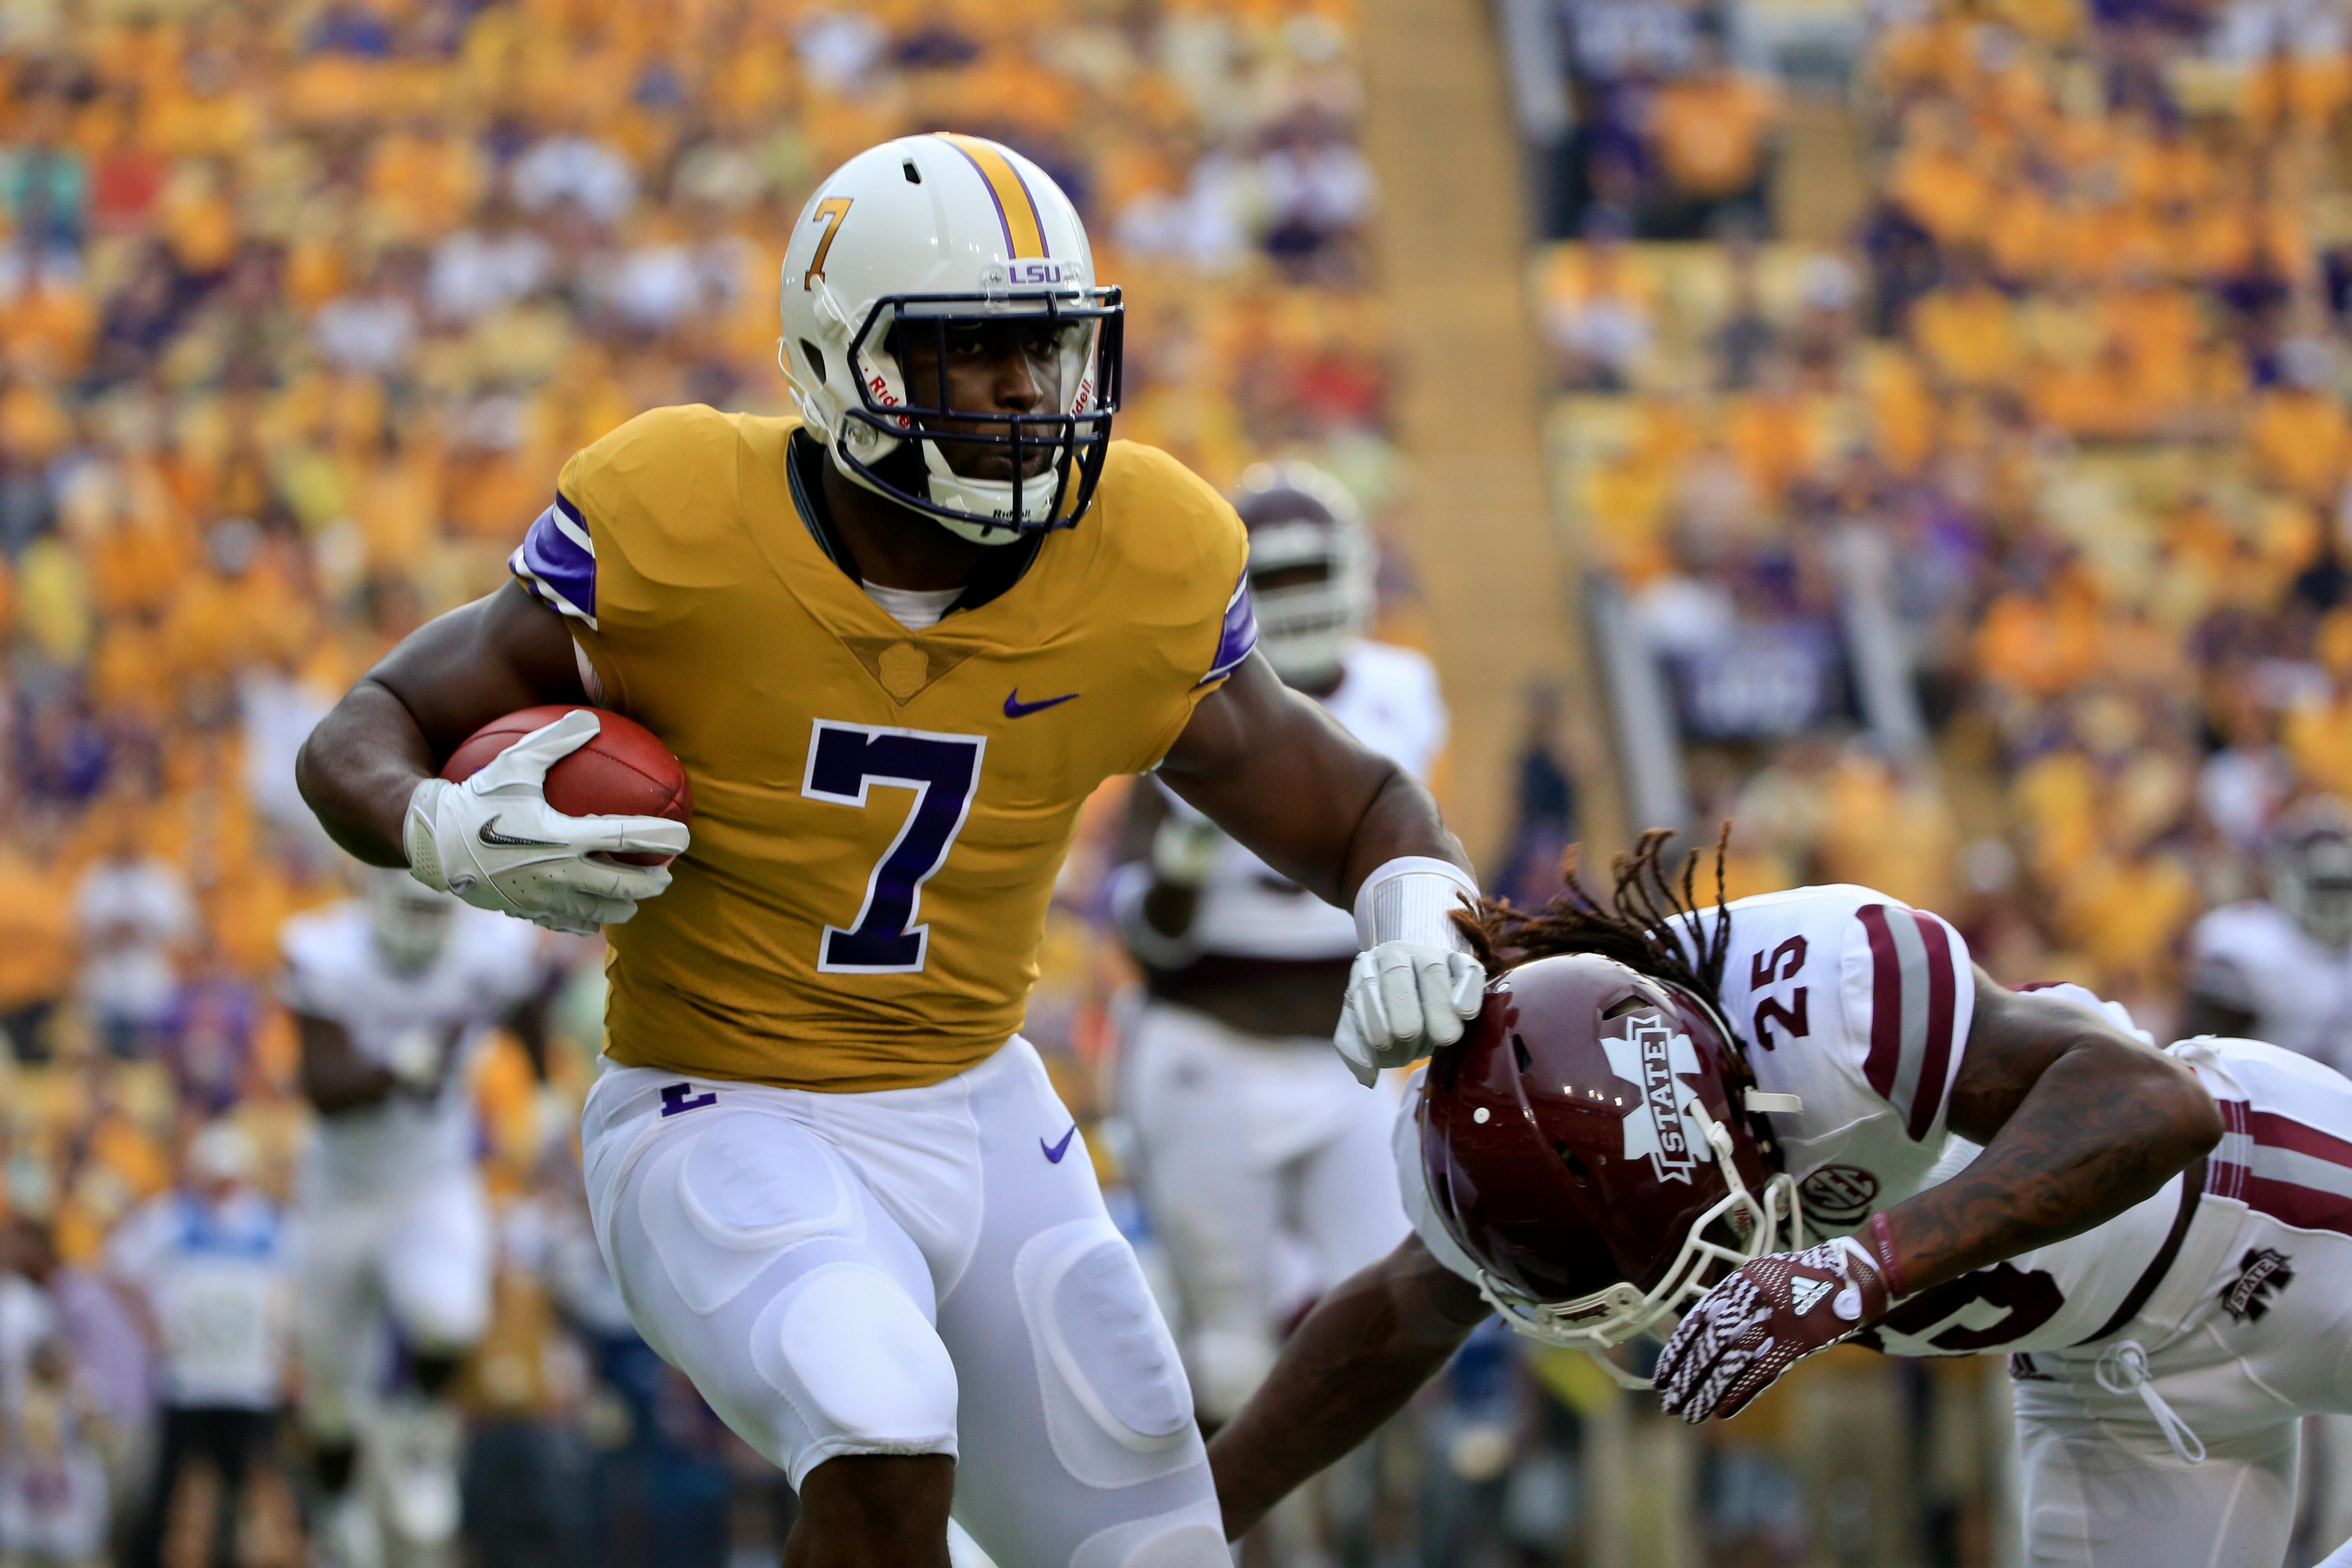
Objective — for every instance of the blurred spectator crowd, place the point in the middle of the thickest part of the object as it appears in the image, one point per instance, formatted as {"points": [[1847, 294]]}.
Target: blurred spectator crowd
{"points": [[302, 306], [2066, 422]]}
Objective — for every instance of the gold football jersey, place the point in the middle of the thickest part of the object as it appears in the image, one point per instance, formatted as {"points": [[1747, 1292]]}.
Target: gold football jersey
{"points": [[879, 814]]}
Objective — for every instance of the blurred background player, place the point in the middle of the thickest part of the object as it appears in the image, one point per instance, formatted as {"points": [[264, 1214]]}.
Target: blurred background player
{"points": [[211, 1264], [1247, 1128], [2280, 968], [391, 993]]}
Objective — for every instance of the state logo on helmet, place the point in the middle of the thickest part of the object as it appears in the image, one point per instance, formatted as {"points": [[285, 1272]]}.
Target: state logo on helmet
{"points": [[1588, 1145], [903, 246], [1310, 568]]}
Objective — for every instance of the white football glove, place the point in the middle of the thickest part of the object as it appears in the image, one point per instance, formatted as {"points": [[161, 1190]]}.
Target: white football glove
{"points": [[1414, 985], [416, 1058], [496, 843]]}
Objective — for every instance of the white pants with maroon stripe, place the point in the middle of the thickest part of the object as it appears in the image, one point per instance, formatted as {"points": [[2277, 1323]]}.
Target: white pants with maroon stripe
{"points": [[2105, 1485], [912, 1271]]}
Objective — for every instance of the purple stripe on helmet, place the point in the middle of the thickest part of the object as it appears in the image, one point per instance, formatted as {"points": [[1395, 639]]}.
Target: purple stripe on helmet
{"points": [[1236, 636], [554, 565]]}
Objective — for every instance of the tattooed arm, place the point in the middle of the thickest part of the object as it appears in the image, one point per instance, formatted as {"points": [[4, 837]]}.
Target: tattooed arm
{"points": [[2078, 1122], [1355, 1360]]}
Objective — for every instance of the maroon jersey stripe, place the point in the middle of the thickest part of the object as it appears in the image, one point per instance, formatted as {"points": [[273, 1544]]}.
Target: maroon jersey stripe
{"points": [[2285, 1132], [1927, 1097], [2306, 1207], [1886, 1002]]}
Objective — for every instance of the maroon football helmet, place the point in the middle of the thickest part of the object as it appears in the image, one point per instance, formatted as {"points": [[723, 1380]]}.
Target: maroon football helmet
{"points": [[1589, 1144]]}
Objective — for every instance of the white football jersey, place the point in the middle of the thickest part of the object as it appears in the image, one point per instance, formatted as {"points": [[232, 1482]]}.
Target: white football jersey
{"points": [[2253, 957], [1388, 699], [1859, 1006], [2286, 1152], [333, 970]]}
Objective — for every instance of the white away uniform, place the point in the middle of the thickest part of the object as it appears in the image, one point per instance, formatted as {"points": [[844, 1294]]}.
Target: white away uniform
{"points": [[1244, 1136], [2208, 1319], [394, 1221], [2253, 957]]}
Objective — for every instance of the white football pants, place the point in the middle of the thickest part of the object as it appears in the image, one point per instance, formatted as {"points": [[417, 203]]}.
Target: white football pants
{"points": [[910, 1271], [2105, 1486], [1242, 1138], [419, 1253]]}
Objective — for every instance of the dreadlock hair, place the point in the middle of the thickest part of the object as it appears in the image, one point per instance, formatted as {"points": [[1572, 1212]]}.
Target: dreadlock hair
{"points": [[1634, 926]]}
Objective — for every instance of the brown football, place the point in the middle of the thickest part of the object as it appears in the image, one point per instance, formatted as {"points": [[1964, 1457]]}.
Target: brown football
{"points": [[622, 772]]}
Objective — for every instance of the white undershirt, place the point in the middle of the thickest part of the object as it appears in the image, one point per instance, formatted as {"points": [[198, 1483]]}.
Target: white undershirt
{"points": [[916, 609]]}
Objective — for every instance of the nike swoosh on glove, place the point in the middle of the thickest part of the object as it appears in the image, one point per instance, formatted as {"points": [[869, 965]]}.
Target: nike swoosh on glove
{"points": [[496, 843], [1761, 1319], [1406, 999]]}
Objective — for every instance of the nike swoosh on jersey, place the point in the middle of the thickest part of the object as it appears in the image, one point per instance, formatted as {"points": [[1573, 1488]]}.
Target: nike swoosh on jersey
{"points": [[1053, 1151], [1017, 709], [490, 835]]}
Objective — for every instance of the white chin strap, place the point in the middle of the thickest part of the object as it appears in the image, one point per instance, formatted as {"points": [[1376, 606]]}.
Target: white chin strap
{"points": [[986, 498]]}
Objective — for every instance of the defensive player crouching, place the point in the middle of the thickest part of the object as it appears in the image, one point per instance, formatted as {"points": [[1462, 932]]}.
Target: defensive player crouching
{"points": [[1246, 1123], [391, 994], [2161, 1238], [896, 643]]}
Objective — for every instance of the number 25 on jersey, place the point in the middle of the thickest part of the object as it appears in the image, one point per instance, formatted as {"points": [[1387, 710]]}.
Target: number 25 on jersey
{"points": [[846, 760]]}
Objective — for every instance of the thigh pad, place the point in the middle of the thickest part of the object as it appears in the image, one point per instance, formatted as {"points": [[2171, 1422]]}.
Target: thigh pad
{"points": [[1107, 1368], [731, 1196]]}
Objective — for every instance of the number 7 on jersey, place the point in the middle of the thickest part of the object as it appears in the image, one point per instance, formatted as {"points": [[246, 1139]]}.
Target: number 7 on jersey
{"points": [[846, 760]]}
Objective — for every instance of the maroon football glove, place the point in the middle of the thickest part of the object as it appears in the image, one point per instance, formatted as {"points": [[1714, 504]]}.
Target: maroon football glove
{"points": [[1761, 1319]]}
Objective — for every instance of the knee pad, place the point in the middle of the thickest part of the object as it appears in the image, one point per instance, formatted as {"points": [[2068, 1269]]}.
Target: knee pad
{"points": [[1191, 1537], [860, 1365], [736, 1193], [441, 1318], [1117, 1408]]}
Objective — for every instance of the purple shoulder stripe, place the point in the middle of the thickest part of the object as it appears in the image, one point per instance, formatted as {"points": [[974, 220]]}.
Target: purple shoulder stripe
{"points": [[1238, 635], [557, 562]]}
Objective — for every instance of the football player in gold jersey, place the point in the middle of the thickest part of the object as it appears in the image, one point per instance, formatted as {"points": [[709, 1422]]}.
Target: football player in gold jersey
{"points": [[896, 642]]}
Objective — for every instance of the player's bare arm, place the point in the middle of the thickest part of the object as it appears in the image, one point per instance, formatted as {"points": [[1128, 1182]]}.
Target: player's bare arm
{"points": [[2078, 1121], [1355, 1360], [443, 681], [335, 1075], [1269, 766]]}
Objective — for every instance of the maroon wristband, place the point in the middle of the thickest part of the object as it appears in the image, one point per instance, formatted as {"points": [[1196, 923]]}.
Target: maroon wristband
{"points": [[1881, 1246]]}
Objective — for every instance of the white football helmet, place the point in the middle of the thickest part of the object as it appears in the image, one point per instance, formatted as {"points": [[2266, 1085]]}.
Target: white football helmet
{"points": [[2311, 869], [1310, 568], [923, 234], [409, 921]]}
